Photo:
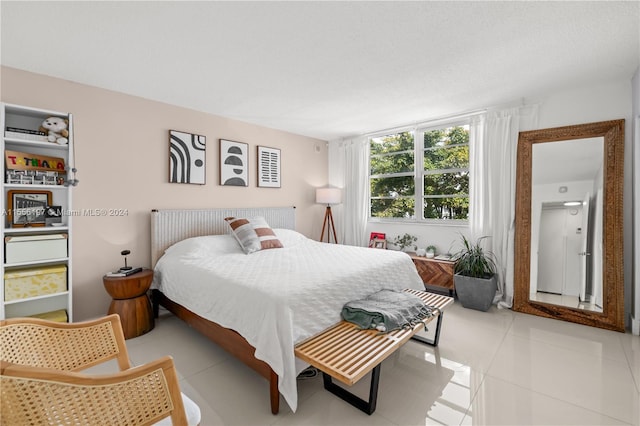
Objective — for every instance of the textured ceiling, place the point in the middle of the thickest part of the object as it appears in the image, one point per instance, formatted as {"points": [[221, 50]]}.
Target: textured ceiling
{"points": [[325, 69]]}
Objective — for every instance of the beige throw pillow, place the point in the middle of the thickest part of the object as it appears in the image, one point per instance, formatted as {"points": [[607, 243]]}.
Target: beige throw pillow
{"points": [[253, 234]]}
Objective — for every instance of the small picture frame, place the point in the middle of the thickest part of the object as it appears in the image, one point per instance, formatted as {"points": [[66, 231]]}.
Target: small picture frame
{"points": [[376, 238], [378, 243], [53, 216], [27, 208], [268, 167], [234, 163]]}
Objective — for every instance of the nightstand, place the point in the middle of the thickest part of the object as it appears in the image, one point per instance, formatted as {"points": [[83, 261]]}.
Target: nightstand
{"points": [[435, 272], [131, 302]]}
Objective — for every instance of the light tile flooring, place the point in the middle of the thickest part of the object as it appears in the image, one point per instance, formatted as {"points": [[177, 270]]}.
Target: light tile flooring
{"points": [[496, 367]]}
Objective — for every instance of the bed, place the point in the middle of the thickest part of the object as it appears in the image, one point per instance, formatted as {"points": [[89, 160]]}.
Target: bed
{"points": [[259, 306]]}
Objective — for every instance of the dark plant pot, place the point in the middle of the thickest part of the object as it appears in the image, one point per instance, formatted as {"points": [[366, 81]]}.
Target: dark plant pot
{"points": [[476, 293]]}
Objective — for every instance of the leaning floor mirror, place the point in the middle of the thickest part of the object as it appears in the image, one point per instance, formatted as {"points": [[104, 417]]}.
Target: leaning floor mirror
{"points": [[569, 235]]}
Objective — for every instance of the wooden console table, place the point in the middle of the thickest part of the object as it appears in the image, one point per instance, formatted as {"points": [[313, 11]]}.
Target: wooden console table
{"points": [[435, 272]]}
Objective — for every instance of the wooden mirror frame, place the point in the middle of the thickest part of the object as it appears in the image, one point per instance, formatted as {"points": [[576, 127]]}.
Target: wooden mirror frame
{"points": [[612, 316]]}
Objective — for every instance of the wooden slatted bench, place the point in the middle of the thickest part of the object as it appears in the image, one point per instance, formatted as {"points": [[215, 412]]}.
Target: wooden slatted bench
{"points": [[346, 353]]}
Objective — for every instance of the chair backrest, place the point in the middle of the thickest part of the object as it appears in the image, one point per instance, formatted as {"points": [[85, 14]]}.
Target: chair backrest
{"points": [[71, 347], [43, 396]]}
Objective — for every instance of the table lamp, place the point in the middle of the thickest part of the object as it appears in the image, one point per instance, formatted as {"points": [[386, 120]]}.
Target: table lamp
{"points": [[328, 196], [125, 267]]}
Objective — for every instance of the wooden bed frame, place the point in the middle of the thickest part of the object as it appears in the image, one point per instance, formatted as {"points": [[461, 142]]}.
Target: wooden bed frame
{"points": [[226, 338], [171, 226]]}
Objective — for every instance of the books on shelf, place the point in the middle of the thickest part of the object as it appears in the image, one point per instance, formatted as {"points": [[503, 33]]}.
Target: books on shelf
{"points": [[124, 273], [28, 131], [26, 134]]}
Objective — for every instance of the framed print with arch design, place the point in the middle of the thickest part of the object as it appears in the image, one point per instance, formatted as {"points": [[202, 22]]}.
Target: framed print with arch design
{"points": [[234, 163], [187, 158]]}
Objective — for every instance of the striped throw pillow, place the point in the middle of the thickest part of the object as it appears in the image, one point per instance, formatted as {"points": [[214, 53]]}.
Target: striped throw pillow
{"points": [[253, 234]]}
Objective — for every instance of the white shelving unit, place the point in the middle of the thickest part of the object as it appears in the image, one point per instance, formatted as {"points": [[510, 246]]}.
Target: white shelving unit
{"points": [[30, 118]]}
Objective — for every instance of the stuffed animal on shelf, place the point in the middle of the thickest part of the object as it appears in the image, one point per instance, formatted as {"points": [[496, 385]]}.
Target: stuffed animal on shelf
{"points": [[56, 129]]}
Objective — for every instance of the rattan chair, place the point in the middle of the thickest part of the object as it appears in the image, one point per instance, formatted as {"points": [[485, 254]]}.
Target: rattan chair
{"points": [[41, 383]]}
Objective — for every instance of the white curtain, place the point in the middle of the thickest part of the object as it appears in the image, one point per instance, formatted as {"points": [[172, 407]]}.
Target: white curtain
{"points": [[493, 143], [348, 165]]}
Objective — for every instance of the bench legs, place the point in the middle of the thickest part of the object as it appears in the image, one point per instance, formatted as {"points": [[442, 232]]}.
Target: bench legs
{"points": [[436, 338], [367, 406], [370, 406]]}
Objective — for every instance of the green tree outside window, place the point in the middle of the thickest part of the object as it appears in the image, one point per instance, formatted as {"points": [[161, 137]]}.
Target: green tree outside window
{"points": [[445, 174]]}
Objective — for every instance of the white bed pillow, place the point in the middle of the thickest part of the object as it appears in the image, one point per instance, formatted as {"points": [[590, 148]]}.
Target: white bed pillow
{"points": [[215, 244], [227, 243], [289, 237], [253, 234]]}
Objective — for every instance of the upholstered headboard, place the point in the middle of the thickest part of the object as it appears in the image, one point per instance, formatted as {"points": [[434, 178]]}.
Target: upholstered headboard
{"points": [[170, 226]]}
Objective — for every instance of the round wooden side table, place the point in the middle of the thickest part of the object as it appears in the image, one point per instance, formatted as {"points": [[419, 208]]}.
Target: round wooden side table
{"points": [[131, 302]]}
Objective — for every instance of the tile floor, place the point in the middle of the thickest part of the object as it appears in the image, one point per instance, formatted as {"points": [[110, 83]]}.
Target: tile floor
{"points": [[496, 367]]}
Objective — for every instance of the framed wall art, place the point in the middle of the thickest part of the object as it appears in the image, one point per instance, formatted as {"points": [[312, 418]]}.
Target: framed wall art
{"points": [[187, 158], [27, 208], [268, 167], [234, 163]]}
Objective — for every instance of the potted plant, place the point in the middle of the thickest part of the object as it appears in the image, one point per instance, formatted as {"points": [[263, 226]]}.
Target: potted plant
{"points": [[431, 251], [475, 275], [405, 241]]}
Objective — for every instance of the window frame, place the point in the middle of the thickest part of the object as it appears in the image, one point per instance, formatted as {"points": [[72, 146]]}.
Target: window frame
{"points": [[418, 173]]}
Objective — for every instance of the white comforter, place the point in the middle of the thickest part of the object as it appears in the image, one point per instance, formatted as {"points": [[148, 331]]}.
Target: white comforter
{"points": [[279, 297]]}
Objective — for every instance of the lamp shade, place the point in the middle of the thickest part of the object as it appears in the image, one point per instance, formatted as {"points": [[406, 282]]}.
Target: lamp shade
{"points": [[328, 195]]}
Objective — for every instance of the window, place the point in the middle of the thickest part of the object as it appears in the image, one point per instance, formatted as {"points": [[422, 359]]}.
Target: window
{"points": [[392, 176], [439, 190]]}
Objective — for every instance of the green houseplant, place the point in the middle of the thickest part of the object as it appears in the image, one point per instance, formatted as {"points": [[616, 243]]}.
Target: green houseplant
{"points": [[431, 251], [475, 275]]}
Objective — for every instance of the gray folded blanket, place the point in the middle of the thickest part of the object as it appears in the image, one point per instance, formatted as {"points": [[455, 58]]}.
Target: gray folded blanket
{"points": [[387, 310]]}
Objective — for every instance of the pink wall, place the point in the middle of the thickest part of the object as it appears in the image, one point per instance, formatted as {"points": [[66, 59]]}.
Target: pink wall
{"points": [[122, 161]]}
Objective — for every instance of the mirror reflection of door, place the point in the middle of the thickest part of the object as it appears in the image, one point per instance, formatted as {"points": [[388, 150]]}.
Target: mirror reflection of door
{"points": [[584, 252], [597, 251], [554, 253], [566, 223]]}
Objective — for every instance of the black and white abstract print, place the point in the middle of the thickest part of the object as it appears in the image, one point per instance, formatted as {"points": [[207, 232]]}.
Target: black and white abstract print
{"points": [[187, 158], [268, 167], [234, 163]]}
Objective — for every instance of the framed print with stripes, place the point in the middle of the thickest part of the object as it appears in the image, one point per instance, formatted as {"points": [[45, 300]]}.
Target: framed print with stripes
{"points": [[268, 167]]}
